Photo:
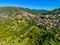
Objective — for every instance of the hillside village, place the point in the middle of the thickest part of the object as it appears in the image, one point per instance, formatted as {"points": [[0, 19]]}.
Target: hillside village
{"points": [[50, 19], [45, 21], [40, 29]]}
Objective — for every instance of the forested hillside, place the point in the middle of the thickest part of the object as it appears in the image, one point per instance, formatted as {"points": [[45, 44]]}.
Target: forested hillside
{"points": [[21, 26]]}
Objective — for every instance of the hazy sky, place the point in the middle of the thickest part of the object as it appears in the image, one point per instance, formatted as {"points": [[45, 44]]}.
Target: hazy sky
{"points": [[33, 4]]}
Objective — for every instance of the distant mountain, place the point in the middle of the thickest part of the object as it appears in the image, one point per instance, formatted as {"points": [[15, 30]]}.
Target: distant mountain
{"points": [[14, 10], [56, 11], [34, 11]]}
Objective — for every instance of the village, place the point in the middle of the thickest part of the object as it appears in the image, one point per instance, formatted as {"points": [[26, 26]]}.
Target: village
{"points": [[29, 22], [45, 22]]}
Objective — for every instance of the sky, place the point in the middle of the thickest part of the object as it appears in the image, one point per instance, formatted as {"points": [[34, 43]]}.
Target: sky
{"points": [[33, 4]]}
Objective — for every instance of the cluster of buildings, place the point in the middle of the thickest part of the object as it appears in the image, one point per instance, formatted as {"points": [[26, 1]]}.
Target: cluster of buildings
{"points": [[43, 21], [51, 22], [47, 21]]}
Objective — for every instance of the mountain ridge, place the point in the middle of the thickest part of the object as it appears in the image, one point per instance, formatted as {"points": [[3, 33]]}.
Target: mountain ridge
{"points": [[14, 10]]}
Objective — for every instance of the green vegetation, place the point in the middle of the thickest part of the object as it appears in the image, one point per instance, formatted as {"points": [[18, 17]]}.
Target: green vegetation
{"points": [[24, 32], [14, 31], [14, 10], [9, 10]]}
